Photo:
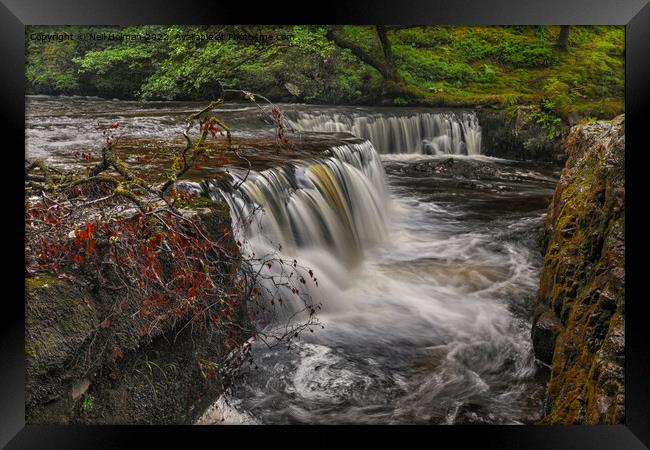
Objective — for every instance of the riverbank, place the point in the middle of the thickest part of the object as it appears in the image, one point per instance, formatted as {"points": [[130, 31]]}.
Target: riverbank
{"points": [[90, 362], [565, 81]]}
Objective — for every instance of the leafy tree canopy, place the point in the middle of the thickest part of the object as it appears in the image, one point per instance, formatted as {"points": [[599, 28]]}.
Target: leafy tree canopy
{"points": [[434, 65]]}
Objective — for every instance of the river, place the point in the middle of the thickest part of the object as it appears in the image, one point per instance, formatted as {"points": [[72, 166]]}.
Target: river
{"points": [[425, 252]]}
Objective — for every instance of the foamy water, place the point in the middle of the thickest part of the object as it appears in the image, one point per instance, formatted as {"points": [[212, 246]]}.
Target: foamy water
{"points": [[430, 325]]}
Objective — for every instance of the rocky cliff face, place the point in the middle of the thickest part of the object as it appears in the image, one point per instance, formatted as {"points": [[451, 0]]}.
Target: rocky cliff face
{"points": [[579, 321]]}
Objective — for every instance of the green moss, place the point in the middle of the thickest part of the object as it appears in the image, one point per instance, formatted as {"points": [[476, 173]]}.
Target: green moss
{"points": [[584, 259], [505, 64], [41, 281], [195, 202], [29, 351], [55, 318], [42, 343]]}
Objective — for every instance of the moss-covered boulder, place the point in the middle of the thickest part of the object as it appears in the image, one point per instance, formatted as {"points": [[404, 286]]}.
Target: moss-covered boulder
{"points": [[59, 321], [579, 323], [513, 133]]}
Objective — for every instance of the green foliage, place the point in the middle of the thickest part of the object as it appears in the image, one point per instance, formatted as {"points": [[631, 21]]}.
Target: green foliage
{"points": [[50, 69], [119, 71], [88, 402], [545, 117], [424, 66], [424, 37], [524, 54], [475, 47], [439, 65], [558, 96], [487, 74]]}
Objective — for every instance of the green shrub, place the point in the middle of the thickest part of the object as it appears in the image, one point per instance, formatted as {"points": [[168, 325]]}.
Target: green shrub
{"points": [[50, 68], [431, 37], [473, 48], [424, 67], [527, 55], [545, 117]]}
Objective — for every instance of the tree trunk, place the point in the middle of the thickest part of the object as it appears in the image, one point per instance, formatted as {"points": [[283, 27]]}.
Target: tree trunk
{"points": [[385, 66], [563, 37], [382, 34]]}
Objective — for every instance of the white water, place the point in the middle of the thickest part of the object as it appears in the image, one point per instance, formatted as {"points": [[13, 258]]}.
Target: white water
{"points": [[419, 306], [325, 213], [425, 282], [425, 133]]}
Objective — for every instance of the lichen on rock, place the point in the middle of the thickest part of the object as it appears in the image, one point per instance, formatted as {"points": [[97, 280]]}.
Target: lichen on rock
{"points": [[579, 321]]}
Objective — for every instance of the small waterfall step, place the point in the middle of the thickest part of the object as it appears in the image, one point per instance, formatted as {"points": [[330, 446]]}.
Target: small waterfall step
{"points": [[437, 133]]}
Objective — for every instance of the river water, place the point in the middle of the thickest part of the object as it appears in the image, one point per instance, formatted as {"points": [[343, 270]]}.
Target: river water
{"points": [[425, 252]]}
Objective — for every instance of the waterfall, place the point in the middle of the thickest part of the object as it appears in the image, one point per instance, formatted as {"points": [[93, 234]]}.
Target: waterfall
{"points": [[417, 304], [426, 133], [325, 212]]}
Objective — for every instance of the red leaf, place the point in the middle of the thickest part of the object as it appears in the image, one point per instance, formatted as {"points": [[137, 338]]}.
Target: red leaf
{"points": [[90, 248]]}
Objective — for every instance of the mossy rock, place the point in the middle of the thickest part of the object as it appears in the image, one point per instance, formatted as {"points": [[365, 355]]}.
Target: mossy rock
{"points": [[58, 322], [583, 280], [511, 132]]}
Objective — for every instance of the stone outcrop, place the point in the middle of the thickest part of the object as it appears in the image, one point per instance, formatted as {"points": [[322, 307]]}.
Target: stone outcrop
{"points": [[513, 133], [80, 371], [579, 321]]}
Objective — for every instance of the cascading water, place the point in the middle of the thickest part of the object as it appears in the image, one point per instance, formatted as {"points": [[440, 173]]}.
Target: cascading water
{"points": [[326, 211], [425, 133], [425, 279], [417, 302]]}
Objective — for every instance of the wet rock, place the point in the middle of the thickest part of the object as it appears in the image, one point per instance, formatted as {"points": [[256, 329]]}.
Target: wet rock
{"points": [[58, 323], [80, 388], [470, 170], [513, 133], [580, 327], [545, 330]]}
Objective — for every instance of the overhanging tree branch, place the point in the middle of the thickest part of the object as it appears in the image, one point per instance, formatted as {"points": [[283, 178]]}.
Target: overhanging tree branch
{"points": [[382, 67]]}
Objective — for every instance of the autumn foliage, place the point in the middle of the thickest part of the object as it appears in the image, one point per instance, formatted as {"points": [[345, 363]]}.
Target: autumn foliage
{"points": [[109, 229]]}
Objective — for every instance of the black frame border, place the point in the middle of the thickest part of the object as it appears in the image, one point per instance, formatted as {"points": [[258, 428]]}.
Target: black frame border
{"points": [[634, 14]]}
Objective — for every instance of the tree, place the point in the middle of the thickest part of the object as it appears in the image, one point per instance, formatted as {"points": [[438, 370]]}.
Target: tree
{"points": [[384, 62], [563, 38]]}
